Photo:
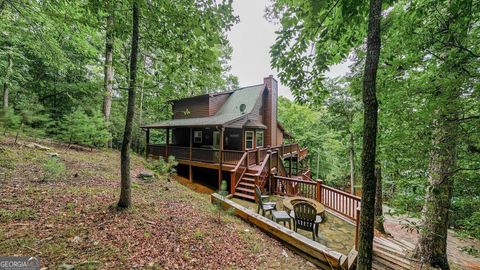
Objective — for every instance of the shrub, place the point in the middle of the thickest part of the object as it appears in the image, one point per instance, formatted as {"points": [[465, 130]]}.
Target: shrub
{"points": [[52, 169], [472, 224], [163, 167], [80, 128]]}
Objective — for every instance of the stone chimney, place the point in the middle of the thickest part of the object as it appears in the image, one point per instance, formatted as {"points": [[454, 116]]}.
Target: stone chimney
{"points": [[270, 110]]}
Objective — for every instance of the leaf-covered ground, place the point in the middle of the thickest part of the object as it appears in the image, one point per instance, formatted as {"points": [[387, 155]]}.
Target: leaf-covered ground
{"points": [[71, 221]]}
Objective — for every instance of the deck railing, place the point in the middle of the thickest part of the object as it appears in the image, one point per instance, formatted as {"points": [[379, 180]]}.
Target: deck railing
{"points": [[339, 201], [156, 150], [303, 153], [179, 152], [205, 155], [294, 187], [231, 157]]}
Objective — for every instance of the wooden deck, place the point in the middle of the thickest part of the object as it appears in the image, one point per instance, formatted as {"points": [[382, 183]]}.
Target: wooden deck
{"points": [[316, 253]]}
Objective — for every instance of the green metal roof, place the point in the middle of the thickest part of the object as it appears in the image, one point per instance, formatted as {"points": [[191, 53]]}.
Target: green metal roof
{"points": [[230, 110]]}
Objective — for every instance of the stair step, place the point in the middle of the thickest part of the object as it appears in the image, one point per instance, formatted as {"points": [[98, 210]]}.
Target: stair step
{"points": [[248, 179], [247, 184], [247, 190], [250, 174], [246, 196]]}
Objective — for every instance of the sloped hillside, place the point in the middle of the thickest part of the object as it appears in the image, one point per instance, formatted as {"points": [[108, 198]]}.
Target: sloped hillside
{"points": [[66, 217]]}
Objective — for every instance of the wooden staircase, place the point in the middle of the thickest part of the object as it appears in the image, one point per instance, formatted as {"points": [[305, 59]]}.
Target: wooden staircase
{"points": [[246, 187], [257, 174]]}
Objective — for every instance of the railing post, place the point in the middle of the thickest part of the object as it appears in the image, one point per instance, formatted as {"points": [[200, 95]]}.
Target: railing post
{"points": [[319, 190], [269, 153], [257, 156], [166, 143], [147, 142], [357, 229], [191, 143]]}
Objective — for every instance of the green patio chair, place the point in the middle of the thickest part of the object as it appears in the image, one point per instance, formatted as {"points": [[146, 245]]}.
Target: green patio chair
{"points": [[305, 218], [264, 206]]}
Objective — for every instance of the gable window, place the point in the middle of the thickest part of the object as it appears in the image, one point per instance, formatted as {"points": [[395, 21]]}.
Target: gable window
{"points": [[197, 136], [259, 135], [248, 139]]}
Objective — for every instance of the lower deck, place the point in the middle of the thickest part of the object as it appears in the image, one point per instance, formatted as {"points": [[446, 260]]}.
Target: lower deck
{"points": [[334, 232]]}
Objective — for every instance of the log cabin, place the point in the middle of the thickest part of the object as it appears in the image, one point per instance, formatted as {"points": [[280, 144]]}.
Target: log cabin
{"points": [[233, 136]]}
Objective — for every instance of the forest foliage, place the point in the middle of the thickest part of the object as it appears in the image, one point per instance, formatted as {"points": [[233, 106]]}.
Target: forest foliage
{"points": [[428, 92], [52, 61]]}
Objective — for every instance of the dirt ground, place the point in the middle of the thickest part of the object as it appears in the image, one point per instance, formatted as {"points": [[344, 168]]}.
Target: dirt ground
{"points": [[398, 228], [73, 221]]}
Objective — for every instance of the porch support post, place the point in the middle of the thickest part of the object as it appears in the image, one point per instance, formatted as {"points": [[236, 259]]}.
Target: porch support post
{"points": [[290, 166], [296, 167], [147, 142], [190, 173], [191, 144], [220, 151], [166, 143], [269, 153]]}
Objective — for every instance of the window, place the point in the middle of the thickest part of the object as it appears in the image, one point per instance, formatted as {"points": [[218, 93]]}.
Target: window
{"points": [[197, 136], [259, 138], [248, 139]]}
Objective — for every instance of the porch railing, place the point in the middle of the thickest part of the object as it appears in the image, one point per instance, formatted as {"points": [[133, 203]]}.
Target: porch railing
{"points": [[294, 187], [341, 202], [179, 152], [205, 154], [230, 157]]}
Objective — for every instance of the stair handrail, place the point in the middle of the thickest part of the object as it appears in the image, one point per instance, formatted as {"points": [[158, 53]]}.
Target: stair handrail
{"points": [[237, 180], [262, 168]]}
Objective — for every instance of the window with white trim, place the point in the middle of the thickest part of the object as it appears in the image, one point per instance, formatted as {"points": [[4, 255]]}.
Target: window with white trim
{"points": [[248, 139], [197, 136], [259, 138]]}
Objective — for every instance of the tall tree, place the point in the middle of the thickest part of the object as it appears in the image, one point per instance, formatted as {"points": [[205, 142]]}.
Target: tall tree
{"points": [[379, 200], [125, 191], [108, 66], [370, 105], [6, 81]]}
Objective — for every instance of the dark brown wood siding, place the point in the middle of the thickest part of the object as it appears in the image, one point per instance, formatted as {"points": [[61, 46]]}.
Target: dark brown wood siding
{"points": [[191, 107], [216, 103]]}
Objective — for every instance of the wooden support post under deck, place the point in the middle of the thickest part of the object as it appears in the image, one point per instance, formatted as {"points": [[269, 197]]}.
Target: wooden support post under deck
{"points": [[147, 142], [220, 159], [232, 183], [190, 173], [191, 144], [166, 143]]}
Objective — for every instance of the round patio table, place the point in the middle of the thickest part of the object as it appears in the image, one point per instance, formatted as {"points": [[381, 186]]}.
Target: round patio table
{"points": [[290, 201]]}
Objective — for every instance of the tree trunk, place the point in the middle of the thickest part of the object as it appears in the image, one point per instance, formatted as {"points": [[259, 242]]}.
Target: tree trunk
{"points": [[367, 215], [379, 200], [431, 248], [6, 82], [140, 111], [108, 68], [352, 163], [125, 192]]}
